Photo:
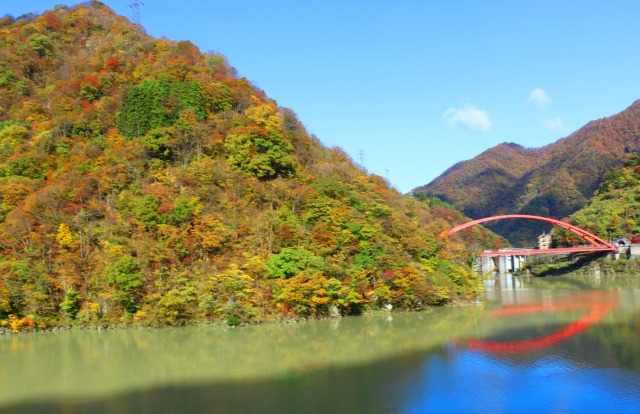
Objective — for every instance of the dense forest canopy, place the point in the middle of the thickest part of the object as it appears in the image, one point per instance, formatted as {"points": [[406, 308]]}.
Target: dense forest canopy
{"points": [[614, 210], [144, 182]]}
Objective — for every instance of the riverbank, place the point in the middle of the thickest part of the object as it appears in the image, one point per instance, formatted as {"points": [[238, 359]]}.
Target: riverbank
{"points": [[585, 263], [26, 326]]}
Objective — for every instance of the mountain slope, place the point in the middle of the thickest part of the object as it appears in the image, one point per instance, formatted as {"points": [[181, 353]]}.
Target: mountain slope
{"points": [[142, 181], [614, 210], [552, 181]]}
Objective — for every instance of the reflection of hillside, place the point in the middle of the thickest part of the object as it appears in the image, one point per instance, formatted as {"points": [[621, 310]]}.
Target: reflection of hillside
{"points": [[360, 389], [619, 340], [95, 364]]}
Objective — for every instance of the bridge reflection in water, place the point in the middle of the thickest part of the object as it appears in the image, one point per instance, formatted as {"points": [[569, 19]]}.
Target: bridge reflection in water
{"points": [[534, 314], [594, 306]]}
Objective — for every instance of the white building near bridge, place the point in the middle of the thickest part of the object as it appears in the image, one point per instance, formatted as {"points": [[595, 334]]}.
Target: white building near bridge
{"points": [[544, 240]]}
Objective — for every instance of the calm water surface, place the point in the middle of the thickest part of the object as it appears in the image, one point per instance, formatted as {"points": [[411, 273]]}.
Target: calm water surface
{"points": [[564, 345]]}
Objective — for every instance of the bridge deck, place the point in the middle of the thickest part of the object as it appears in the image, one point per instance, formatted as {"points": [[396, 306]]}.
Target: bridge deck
{"points": [[562, 250]]}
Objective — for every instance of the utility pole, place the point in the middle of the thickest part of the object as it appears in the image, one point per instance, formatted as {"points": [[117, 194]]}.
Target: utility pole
{"points": [[134, 5], [361, 158]]}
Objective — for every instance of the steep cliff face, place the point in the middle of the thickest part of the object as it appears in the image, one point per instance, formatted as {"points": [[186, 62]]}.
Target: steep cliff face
{"points": [[552, 181]]}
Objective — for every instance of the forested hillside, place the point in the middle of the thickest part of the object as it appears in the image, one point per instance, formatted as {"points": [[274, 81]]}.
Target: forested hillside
{"points": [[144, 182], [552, 181], [614, 210]]}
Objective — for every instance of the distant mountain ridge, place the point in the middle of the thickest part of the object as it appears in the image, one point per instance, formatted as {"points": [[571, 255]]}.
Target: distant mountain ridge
{"points": [[554, 181]]}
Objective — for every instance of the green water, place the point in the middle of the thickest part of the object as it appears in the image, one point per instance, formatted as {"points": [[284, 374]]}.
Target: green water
{"points": [[522, 346]]}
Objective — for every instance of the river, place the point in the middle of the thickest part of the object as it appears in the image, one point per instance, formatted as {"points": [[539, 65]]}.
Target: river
{"points": [[566, 344]]}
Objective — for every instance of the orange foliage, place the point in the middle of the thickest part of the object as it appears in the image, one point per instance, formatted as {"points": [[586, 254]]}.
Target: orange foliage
{"points": [[96, 227]]}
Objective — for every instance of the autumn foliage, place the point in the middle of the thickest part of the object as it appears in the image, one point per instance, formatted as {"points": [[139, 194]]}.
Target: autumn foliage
{"points": [[143, 182], [614, 210]]}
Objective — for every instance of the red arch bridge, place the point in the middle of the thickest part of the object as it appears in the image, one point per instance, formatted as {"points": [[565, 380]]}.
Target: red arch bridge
{"points": [[596, 244]]}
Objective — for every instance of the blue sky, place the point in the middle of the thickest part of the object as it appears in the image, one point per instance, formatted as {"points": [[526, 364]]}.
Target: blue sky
{"points": [[416, 86]]}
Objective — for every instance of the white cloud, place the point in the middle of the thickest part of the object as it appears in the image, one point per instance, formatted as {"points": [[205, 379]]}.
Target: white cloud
{"points": [[538, 97], [469, 116], [555, 124]]}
